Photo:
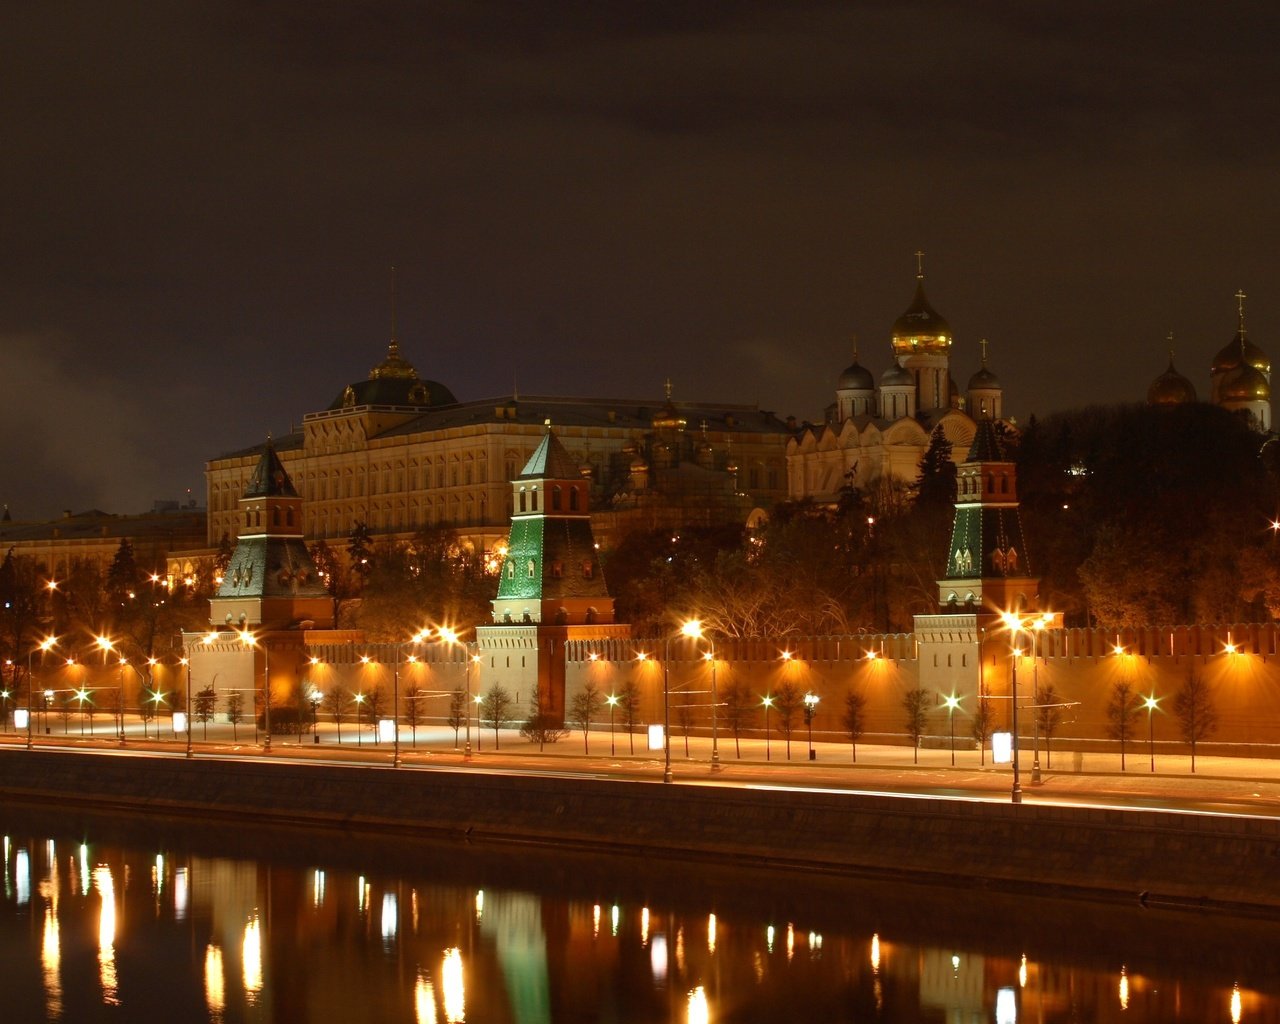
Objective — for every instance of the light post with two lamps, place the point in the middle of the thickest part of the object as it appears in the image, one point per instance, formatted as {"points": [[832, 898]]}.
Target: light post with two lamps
{"points": [[693, 630], [1017, 624], [252, 642], [450, 636]]}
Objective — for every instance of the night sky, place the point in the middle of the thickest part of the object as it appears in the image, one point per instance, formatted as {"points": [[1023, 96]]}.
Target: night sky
{"points": [[202, 201]]}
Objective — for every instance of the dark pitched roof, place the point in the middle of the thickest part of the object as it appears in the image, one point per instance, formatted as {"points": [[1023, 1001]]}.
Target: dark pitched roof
{"points": [[987, 445], [269, 479]]}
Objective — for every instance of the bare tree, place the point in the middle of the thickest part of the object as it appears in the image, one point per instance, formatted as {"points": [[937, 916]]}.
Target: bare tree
{"points": [[915, 703], [787, 702], [375, 706], [854, 717], [541, 726], [1048, 718], [584, 708], [629, 708], [235, 712], [457, 711], [204, 706], [1197, 716], [983, 721], [337, 702], [740, 710], [495, 709], [413, 710], [1122, 715]]}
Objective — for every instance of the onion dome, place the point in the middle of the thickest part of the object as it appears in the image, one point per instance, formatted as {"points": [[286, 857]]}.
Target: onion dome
{"points": [[920, 328], [1240, 349], [1171, 388], [856, 377], [1245, 384], [896, 377], [984, 378]]}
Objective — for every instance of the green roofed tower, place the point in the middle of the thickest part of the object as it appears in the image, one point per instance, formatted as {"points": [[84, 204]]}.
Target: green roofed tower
{"points": [[551, 573], [987, 562]]}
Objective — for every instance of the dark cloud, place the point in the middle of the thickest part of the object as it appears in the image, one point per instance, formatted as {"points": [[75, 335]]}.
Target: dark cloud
{"points": [[590, 197]]}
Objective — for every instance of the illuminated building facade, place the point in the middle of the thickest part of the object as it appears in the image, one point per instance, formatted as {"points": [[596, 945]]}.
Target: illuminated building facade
{"points": [[875, 435]]}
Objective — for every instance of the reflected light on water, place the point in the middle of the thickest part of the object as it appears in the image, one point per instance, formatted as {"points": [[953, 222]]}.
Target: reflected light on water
{"points": [[50, 964], [479, 905], [1006, 1006], [644, 925], [455, 1002], [157, 875], [1022, 973], [181, 894], [107, 934], [614, 916], [791, 941], [875, 952], [317, 888], [22, 875], [1124, 989], [1235, 1005], [768, 938], [424, 1000], [658, 958], [84, 869], [389, 915], [595, 921], [215, 985], [699, 1011], [251, 958], [711, 933]]}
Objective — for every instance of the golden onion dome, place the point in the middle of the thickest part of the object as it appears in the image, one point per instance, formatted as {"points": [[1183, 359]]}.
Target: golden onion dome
{"points": [[1171, 388], [1245, 384], [1230, 356], [920, 328]]}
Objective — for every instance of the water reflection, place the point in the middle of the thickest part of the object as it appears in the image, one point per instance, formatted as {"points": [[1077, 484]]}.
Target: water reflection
{"points": [[455, 933]]}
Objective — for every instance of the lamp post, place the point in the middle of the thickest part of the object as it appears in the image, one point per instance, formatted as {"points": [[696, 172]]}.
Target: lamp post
{"points": [[315, 697], [1021, 624], [1037, 627], [359, 699], [48, 696], [612, 701], [44, 647], [451, 636], [1150, 703], [251, 641], [185, 661], [693, 628], [952, 703], [810, 706], [767, 701]]}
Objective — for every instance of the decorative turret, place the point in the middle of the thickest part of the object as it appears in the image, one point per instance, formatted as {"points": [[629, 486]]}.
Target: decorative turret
{"points": [[551, 573], [1240, 352], [921, 342], [1171, 388], [855, 390], [987, 564], [271, 579], [985, 394]]}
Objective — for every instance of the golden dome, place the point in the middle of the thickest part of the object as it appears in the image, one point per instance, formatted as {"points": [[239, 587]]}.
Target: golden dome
{"points": [[1229, 357], [1171, 388], [1245, 384], [920, 328]]}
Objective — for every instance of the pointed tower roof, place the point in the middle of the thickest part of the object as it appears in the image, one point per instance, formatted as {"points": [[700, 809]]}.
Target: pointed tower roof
{"points": [[270, 480], [988, 446], [549, 460]]}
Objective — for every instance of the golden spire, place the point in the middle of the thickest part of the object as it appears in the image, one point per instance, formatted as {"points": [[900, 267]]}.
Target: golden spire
{"points": [[1240, 297], [920, 264], [983, 343]]}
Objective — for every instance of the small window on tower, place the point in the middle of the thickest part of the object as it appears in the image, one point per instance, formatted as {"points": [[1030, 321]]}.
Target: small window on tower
{"points": [[557, 569], [588, 570], [533, 569], [511, 570]]}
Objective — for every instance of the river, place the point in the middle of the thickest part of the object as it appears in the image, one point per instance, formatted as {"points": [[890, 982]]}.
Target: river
{"points": [[109, 918]]}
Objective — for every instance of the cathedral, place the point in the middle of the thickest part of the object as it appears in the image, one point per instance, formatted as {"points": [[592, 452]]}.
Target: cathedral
{"points": [[875, 435], [1239, 379]]}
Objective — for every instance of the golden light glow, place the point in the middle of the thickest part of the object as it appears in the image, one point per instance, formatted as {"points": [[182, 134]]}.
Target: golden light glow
{"points": [[875, 952], [209, 638], [692, 628], [1235, 1004], [595, 921], [711, 933], [1124, 989], [215, 985], [479, 905], [785, 655], [424, 1000], [699, 1012], [50, 963], [251, 956], [791, 940], [105, 885], [451, 980], [644, 925], [1022, 972]]}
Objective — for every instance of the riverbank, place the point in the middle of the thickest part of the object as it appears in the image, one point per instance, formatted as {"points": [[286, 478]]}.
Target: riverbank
{"points": [[1157, 858]]}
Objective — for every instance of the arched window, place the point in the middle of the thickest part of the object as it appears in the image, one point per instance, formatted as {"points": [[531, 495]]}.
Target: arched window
{"points": [[533, 569], [522, 502], [555, 499], [573, 499], [511, 570]]}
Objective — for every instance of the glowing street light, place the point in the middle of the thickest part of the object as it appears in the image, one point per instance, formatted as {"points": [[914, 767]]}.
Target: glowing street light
{"points": [[43, 647], [767, 701], [1150, 703], [612, 701], [1017, 624], [450, 636], [810, 706], [951, 704], [693, 628], [249, 640]]}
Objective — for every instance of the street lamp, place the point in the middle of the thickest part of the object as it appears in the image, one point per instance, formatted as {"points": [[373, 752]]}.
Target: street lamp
{"points": [[451, 636], [359, 699], [251, 641], [767, 701], [315, 697], [612, 701], [693, 628], [1150, 704], [44, 647], [810, 706], [1038, 625], [1015, 625], [48, 696], [951, 703]]}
